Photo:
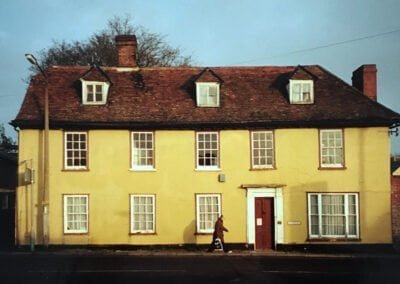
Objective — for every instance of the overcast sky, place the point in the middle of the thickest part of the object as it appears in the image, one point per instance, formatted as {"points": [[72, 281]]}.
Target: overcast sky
{"points": [[215, 33]]}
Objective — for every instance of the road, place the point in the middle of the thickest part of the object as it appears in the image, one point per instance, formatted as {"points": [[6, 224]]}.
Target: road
{"points": [[99, 268]]}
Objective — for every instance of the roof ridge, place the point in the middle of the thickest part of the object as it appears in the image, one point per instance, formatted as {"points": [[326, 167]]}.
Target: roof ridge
{"points": [[179, 67]]}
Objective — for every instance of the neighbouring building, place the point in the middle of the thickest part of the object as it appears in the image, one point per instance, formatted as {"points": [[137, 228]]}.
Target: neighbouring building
{"points": [[8, 185], [395, 179], [289, 155]]}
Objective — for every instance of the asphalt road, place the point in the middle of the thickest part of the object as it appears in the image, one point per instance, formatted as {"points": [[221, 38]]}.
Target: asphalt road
{"points": [[96, 268]]}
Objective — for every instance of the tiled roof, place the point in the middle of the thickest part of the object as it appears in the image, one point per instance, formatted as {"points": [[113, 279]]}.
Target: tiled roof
{"points": [[164, 97]]}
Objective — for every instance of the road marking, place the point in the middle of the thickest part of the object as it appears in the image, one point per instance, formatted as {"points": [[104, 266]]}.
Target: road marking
{"points": [[107, 271]]}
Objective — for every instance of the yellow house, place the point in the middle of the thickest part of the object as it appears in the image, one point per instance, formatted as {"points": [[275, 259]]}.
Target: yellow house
{"points": [[291, 156]]}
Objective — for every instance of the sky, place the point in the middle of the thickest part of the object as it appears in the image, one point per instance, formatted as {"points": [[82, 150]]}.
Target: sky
{"points": [[216, 33]]}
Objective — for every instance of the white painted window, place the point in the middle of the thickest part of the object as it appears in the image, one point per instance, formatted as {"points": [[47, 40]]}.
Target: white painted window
{"points": [[142, 150], [76, 213], [94, 93], [207, 94], [207, 150], [142, 213], [262, 152], [331, 147], [301, 91], [208, 209], [75, 150], [332, 215]]}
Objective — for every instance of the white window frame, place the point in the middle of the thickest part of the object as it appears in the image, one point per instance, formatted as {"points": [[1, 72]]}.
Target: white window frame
{"points": [[104, 88], [133, 152], [66, 149], [335, 148], [211, 228], [65, 200], [260, 148], [208, 103], [132, 213], [346, 214], [302, 83], [198, 150]]}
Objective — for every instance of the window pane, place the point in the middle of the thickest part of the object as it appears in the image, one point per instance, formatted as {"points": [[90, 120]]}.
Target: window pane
{"points": [[331, 148], [75, 150], [332, 215], [142, 149], [99, 89], [263, 154], [76, 214], [207, 149], [142, 213], [99, 97], [208, 212]]}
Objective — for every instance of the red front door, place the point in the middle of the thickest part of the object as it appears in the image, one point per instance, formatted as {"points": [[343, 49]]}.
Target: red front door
{"points": [[264, 223]]}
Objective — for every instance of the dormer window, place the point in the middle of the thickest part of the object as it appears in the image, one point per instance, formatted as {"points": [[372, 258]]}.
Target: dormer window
{"points": [[207, 94], [301, 91], [94, 93]]}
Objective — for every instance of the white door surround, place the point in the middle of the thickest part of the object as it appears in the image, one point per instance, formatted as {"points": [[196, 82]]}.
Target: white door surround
{"points": [[276, 194]]}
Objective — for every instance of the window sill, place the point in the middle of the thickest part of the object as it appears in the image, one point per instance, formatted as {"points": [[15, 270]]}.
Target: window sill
{"points": [[142, 170], [93, 104], [339, 239], [75, 170], [142, 234], [302, 103], [262, 169], [332, 168], [208, 169], [75, 234]]}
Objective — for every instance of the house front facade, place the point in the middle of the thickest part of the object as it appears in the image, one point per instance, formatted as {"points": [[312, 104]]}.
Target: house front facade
{"points": [[152, 156]]}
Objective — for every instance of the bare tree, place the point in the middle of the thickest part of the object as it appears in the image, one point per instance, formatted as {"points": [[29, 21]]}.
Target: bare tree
{"points": [[100, 48], [7, 144]]}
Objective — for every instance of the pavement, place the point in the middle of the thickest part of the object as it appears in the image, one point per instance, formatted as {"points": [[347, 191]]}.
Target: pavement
{"points": [[191, 253]]}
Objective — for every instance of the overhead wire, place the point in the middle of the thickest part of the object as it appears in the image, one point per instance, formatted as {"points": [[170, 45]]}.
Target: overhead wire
{"points": [[322, 46]]}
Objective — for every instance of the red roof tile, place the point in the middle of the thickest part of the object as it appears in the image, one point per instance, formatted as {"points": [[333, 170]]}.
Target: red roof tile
{"points": [[164, 97]]}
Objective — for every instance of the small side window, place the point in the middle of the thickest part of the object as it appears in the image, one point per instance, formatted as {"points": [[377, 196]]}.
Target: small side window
{"points": [[94, 93], [301, 91], [207, 94]]}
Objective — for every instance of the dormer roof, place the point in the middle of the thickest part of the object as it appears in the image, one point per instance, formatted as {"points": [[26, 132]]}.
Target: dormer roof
{"points": [[95, 73], [207, 75], [302, 73]]}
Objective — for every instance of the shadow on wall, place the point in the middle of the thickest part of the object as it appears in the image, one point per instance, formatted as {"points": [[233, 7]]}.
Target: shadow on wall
{"points": [[189, 236], [298, 195]]}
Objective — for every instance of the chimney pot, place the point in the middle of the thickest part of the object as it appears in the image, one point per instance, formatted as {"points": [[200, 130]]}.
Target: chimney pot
{"points": [[127, 48], [364, 79]]}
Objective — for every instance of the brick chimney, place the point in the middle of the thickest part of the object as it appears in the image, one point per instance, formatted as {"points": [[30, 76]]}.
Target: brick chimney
{"points": [[127, 47], [364, 79]]}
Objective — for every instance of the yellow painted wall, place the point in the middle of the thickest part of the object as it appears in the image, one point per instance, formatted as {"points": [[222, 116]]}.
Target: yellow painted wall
{"points": [[175, 182]]}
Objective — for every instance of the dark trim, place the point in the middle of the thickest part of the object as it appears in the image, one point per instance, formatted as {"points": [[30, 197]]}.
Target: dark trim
{"points": [[188, 247], [337, 248], [208, 126]]}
